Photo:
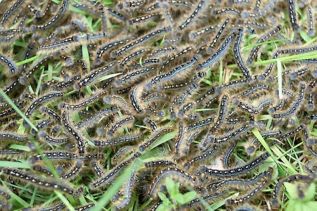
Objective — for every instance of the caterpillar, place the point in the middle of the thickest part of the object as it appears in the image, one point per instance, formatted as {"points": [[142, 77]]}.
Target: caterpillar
{"points": [[10, 63], [241, 183], [295, 105], [119, 124], [40, 181], [153, 138], [57, 155], [310, 21], [131, 56], [218, 35], [218, 54], [222, 112], [169, 171], [251, 194], [227, 137], [292, 14], [279, 185], [5, 136], [158, 163], [95, 74], [7, 14], [36, 103], [172, 58], [85, 207], [51, 113], [251, 109], [106, 179], [150, 123], [73, 172], [134, 96], [140, 40], [95, 118], [194, 14], [106, 47], [60, 13], [132, 76], [207, 153], [263, 38], [117, 140], [98, 169], [170, 75], [66, 84], [228, 153], [195, 34], [237, 55], [72, 132], [81, 104], [127, 195], [143, 18], [235, 171]]}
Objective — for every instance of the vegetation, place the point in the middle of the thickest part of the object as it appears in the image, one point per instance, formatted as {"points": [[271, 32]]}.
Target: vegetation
{"points": [[158, 105]]}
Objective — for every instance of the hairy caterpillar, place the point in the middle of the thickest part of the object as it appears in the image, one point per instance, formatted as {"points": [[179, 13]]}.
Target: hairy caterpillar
{"points": [[263, 38], [200, 124], [97, 168], [251, 194], [295, 105], [150, 123], [105, 47], [173, 57], [131, 56], [310, 21], [60, 13], [95, 118], [14, 7], [86, 101], [24, 79], [291, 178], [140, 40], [117, 140], [241, 182], [210, 139], [10, 63], [143, 18], [73, 172], [76, 135], [42, 182], [95, 74], [169, 171], [207, 153], [228, 153], [218, 35], [153, 138], [237, 55], [5, 136], [170, 75], [127, 195], [221, 51], [36, 103], [85, 207], [235, 171], [251, 109], [292, 14], [195, 34], [134, 97], [194, 14], [106, 179], [120, 123], [133, 75], [222, 112]]}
